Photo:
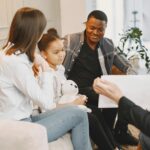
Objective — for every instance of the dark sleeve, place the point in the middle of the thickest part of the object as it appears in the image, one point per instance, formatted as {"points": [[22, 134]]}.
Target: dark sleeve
{"points": [[121, 63], [134, 115]]}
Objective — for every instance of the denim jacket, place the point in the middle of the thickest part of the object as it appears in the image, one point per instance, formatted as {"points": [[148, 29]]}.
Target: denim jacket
{"points": [[73, 44]]}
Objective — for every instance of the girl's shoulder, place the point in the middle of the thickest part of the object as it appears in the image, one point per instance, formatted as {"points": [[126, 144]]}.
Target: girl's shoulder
{"points": [[61, 68], [60, 73], [16, 62]]}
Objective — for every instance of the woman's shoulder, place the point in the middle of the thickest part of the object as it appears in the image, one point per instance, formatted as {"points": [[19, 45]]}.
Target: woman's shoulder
{"points": [[6, 59], [15, 63]]}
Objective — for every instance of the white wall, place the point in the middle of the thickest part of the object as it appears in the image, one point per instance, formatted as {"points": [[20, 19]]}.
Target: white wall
{"points": [[146, 20], [8, 7], [51, 10], [67, 16], [114, 12], [73, 14]]}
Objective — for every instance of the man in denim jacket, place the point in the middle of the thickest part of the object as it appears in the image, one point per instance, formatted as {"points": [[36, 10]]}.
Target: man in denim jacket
{"points": [[88, 56]]}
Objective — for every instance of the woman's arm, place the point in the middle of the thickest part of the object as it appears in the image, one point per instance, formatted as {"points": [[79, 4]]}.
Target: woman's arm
{"points": [[134, 115], [24, 80]]}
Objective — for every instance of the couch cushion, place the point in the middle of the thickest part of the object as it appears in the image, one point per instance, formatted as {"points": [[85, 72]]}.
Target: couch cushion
{"points": [[63, 143]]}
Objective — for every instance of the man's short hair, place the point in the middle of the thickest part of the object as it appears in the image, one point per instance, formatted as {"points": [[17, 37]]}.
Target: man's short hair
{"points": [[100, 15]]}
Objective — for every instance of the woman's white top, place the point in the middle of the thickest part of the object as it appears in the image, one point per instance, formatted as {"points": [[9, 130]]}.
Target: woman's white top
{"points": [[18, 87]]}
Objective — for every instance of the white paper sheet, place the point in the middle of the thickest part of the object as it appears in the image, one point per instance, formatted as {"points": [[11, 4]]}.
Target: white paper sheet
{"points": [[135, 87]]}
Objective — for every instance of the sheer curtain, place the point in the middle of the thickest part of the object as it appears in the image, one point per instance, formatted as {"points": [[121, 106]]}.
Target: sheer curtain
{"points": [[115, 13], [120, 17]]}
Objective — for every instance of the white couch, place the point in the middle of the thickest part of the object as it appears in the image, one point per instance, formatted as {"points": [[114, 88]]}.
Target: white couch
{"points": [[19, 135], [63, 143]]}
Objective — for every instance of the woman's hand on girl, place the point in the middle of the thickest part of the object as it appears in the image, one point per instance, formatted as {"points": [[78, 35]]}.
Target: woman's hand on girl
{"points": [[40, 62]]}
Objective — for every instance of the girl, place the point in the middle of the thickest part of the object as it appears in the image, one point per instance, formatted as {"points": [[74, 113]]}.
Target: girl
{"points": [[18, 86], [51, 48]]}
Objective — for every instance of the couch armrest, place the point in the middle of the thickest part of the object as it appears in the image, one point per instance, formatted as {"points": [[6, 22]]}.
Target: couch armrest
{"points": [[62, 143], [20, 135]]}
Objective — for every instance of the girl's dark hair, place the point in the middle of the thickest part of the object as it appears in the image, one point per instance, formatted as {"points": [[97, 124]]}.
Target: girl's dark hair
{"points": [[53, 32], [26, 28], [47, 38]]}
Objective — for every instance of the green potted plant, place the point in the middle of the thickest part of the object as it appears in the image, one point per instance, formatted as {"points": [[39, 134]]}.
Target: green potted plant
{"points": [[130, 44]]}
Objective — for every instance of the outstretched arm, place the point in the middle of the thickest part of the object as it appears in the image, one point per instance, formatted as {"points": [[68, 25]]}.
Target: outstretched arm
{"points": [[128, 111], [108, 89]]}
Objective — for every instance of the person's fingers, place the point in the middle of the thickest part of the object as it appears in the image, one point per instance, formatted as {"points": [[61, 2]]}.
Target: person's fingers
{"points": [[102, 85], [9, 45], [35, 69], [99, 90], [86, 100], [108, 83]]}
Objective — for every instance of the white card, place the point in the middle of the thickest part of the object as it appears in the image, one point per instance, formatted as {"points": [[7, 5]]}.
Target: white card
{"points": [[134, 87]]}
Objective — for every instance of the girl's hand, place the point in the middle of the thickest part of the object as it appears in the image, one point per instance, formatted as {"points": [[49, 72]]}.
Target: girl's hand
{"points": [[81, 100]]}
